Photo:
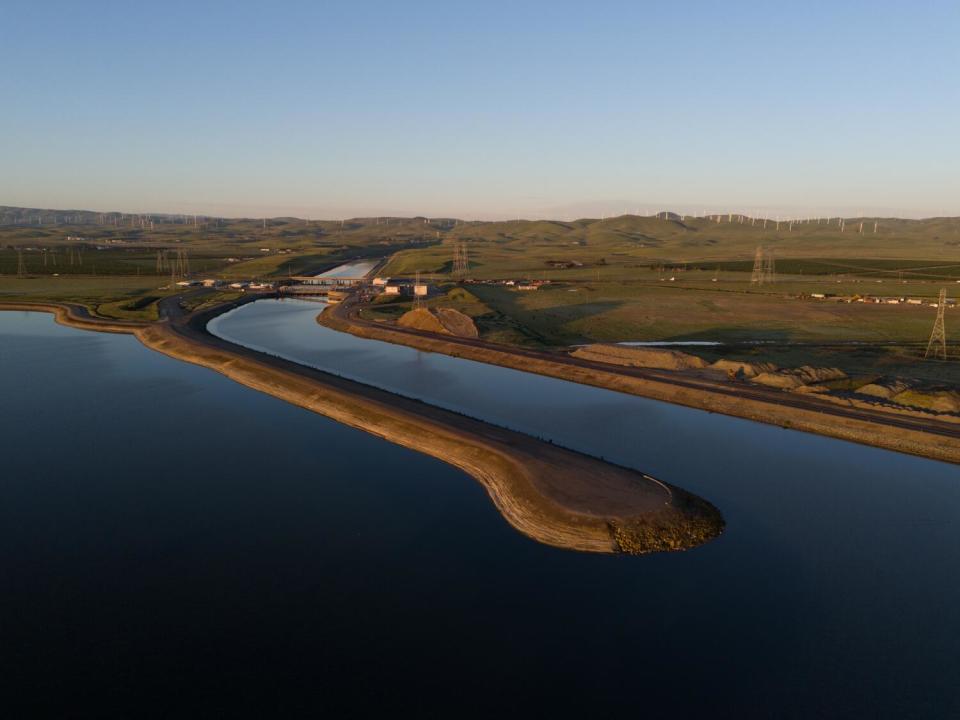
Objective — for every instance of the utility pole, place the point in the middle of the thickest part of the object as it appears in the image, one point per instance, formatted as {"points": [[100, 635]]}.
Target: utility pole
{"points": [[21, 266], [937, 347]]}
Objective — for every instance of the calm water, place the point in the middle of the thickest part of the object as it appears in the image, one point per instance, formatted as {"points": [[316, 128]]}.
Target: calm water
{"points": [[350, 270], [172, 543]]}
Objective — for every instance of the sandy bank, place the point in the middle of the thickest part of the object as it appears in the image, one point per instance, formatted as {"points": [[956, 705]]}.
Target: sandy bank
{"points": [[553, 495]]}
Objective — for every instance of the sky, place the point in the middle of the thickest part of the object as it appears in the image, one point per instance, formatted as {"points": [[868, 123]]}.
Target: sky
{"points": [[481, 110]]}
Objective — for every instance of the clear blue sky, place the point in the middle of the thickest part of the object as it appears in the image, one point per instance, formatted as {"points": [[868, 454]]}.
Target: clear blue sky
{"points": [[481, 109]]}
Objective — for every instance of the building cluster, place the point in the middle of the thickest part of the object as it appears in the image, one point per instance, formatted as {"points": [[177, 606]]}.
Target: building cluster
{"points": [[241, 285], [519, 285], [877, 299], [412, 288]]}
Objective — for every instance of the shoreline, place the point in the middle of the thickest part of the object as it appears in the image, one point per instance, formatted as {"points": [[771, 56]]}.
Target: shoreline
{"points": [[901, 433], [553, 495]]}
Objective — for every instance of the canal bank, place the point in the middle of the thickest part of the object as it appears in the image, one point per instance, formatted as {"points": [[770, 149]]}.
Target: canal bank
{"points": [[902, 432]]}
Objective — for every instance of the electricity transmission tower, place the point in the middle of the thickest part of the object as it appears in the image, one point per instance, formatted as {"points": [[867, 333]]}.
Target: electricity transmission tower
{"points": [[180, 267], [460, 262], [937, 347], [764, 267], [757, 276]]}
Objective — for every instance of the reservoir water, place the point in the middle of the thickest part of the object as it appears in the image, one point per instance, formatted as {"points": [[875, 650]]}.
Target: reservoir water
{"points": [[350, 270], [172, 543]]}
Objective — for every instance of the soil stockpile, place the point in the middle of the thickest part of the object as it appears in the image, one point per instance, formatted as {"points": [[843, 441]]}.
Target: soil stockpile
{"points": [[658, 358], [883, 389], [744, 369], [456, 322], [785, 381], [444, 321], [798, 378], [936, 400], [810, 374]]}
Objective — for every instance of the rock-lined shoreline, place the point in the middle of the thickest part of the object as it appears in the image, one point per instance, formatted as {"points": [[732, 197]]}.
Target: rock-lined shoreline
{"points": [[556, 496]]}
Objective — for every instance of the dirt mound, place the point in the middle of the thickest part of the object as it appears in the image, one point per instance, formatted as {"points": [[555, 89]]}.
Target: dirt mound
{"points": [[639, 357], [936, 400], [801, 377], [744, 369], [422, 319], [456, 322], [443, 321], [786, 381], [884, 390], [810, 374]]}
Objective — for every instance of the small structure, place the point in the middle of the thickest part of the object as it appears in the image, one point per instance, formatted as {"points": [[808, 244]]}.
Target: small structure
{"points": [[420, 290], [380, 281], [391, 290]]}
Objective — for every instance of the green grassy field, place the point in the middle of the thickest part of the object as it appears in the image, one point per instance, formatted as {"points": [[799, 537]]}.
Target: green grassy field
{"points": [[229, 249], [568, 313], [617, 279], [127, 298]]}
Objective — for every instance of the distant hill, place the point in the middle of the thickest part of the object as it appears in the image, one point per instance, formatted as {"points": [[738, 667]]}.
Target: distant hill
{"points": [[667, 237]]}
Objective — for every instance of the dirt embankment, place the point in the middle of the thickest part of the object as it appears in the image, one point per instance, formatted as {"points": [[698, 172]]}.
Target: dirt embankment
{"points": [[802, 379], [912, 395], [742, 369], [840, 418], [553, 495], [666, 359], [639, 357]]}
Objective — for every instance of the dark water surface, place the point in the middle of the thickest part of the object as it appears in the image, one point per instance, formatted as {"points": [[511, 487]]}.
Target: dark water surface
{"points": [[174, 544]]}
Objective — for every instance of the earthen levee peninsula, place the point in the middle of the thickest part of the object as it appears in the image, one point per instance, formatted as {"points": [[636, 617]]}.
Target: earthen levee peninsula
{"points": [[556, 496]]}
